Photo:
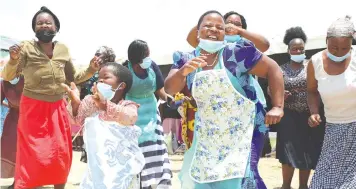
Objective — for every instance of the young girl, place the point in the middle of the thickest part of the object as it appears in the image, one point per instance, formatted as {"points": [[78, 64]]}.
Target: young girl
{"points": [[110, 137]]}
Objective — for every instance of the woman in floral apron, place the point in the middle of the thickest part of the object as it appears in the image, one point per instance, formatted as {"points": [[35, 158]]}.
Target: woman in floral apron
{"points": [[147, 83], [238, 34], [230, 120]]}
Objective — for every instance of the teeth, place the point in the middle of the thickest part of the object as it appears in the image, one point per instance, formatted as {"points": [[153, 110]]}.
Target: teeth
{"points": [[212, 37]]}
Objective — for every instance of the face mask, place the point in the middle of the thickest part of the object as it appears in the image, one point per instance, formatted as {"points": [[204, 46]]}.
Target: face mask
{"points": [[106, 90], [15, 81], [146, 63], [45, 36], [336, 58], [299, 58], [211, 46], [232, 38]]}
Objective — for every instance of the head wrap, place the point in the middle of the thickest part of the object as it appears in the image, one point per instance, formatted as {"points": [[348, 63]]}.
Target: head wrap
{"points": [[46, 10], [107, 53], [342, 27]]}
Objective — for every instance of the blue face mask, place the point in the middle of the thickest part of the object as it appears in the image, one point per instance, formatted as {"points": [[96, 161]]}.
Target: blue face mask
{"points": [[211, 46], [15, 81], [106, 90], [298, 58], [336, 58], [232, 38], [146, 63]]}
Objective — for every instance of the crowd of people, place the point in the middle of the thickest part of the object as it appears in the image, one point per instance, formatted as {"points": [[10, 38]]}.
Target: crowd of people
{"points": [[213, 107]]}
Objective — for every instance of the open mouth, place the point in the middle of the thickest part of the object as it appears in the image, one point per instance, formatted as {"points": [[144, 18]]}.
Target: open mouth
{"points": [[212, 37]]}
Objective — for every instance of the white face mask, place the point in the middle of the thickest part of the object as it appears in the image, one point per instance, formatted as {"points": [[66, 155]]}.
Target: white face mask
{"points": [[146, 63], [298, 58], [15, 81], [211, 46], [106, 90]]}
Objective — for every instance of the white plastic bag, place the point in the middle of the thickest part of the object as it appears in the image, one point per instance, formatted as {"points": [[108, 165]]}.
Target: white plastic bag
{"points": [[114, 157]]}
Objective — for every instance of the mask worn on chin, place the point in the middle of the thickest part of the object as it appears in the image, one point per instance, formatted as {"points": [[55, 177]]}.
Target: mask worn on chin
{"points": [[211, 46], [146, 63], [45, 36], [336, 58], [106, 90], [232, 38], [15, 81], [298, 58]]}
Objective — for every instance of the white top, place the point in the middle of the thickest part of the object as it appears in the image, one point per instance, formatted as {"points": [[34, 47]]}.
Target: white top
{"points": [[338, 92]]}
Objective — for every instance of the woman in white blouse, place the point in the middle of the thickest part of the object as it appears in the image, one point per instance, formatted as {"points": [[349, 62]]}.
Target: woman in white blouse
{"points": [[331, 75]]}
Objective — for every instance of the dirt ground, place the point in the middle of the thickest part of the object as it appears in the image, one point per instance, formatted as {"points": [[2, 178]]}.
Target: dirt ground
{"points": [[269, 168]]}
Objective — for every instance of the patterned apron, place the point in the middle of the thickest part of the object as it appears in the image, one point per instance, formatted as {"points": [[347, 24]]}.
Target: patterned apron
{"points": [[224, 127], [142, 92], [114, 157]]}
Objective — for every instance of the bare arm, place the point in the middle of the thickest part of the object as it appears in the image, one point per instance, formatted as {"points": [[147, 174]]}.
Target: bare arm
{"points": [[261, 43], [161, 94], [14, 66], [312, 88], [175, 81], [268, 68], [192, 38], [72, 75]]}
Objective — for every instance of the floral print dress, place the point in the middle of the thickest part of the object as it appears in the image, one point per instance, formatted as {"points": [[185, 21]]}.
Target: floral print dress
{"points": [[238, 60]]}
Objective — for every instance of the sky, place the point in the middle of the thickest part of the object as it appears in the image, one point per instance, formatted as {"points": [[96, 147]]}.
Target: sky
{"points": [[164, 24]]}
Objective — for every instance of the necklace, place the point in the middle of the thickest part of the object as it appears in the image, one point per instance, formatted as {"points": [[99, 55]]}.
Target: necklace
{"points": [[207, 54], [216, 57]]}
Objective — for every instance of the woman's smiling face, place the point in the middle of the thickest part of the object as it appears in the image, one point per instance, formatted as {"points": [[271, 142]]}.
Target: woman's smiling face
{"points": [[212, 27]]}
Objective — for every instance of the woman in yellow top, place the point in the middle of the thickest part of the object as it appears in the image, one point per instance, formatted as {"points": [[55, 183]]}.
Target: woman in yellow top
{"points": [[44, 153]]}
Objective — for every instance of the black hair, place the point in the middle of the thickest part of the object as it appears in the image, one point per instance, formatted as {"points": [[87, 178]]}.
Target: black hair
{"points": [[243, 20], [46, 10], [206, 13], [353, 41], [137, 51], [294, 33], [122, 73]]}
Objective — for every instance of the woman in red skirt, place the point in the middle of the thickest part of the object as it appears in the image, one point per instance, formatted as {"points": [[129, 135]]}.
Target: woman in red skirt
{"points": [[44, 148]]}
